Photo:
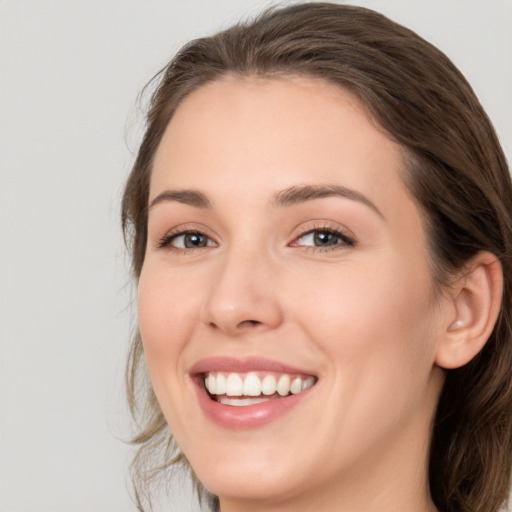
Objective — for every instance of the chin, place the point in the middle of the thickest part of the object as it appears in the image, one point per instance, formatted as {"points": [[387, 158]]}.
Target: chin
{"points": [[251, 486], [245, 476]]}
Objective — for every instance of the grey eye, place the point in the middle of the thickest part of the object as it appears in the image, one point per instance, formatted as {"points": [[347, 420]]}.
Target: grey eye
{"points": [[191, 241], [319, 238]]}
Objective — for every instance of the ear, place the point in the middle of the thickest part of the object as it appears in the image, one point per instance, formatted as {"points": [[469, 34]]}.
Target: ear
{"points": [[476, 300]]}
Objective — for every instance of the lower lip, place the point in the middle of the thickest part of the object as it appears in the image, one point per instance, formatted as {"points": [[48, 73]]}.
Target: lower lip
{"points": [[248, 416]]}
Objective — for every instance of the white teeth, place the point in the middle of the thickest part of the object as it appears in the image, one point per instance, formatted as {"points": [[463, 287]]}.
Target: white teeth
{"points": [[210, 384], [234, 385], [296, 386], [237, 402], [283, 385], [252, 385], [269, 385], [220, 386]]}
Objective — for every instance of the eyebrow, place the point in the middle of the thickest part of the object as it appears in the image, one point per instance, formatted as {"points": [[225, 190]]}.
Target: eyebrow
{"points": [[302, 193], [287, 197], [190, 197]]}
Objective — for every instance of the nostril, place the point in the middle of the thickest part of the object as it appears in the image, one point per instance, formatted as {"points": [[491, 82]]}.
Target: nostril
{"points": [[248, 323], [240, 325]]}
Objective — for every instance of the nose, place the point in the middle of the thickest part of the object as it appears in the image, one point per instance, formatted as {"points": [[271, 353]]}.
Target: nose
{"points": [[242, 296]]}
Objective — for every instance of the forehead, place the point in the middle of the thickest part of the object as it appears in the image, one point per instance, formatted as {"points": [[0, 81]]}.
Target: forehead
{"points": [[271, 119]]}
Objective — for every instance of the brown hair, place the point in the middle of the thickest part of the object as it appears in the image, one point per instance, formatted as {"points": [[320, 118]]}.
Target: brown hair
{"points": [[457, 173]]}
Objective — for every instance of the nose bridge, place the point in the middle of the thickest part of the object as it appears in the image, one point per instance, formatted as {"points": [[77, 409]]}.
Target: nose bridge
{"points": [[242, 295]]}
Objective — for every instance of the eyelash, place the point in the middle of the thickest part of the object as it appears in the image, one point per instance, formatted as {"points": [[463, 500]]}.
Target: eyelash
{"points": [[344, 239]]}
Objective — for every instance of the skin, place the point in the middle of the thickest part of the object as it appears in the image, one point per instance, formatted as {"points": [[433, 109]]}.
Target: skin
{"points": [[361, 316]]}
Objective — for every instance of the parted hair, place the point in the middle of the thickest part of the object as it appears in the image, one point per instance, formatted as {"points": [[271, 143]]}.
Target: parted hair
{"points": [[456, 171]]}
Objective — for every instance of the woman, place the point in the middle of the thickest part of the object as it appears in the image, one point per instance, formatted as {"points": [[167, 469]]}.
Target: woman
{"points": [[319, 218]]}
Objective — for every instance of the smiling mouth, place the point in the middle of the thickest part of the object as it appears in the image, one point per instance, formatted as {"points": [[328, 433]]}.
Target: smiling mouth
{"points": [[245, 389]]}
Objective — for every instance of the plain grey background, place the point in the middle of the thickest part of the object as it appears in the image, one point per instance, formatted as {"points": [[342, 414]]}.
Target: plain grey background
{"points": [[70, 74]]}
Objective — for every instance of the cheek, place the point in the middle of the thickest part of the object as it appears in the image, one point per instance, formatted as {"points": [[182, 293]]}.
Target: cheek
{"points": [[162, 314], [374, 323], [165, 323], [152, 308]]}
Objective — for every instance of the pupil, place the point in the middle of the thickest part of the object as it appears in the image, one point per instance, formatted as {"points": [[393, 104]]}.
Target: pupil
{"points": [[324, 238], [193, 240]]}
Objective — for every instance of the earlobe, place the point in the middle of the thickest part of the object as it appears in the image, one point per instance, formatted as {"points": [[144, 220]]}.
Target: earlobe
{"points": [[476, 298]]}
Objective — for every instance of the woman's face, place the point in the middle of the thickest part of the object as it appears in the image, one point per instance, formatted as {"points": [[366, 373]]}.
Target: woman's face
{"points": [[285, 252]]}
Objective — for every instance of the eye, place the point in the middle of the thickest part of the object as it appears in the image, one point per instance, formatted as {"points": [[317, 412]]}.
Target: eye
{"points": [[328, 238], [186, 240]]}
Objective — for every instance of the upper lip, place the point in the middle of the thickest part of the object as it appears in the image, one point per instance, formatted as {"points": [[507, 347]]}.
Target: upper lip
{"points": [[244, 365]]}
